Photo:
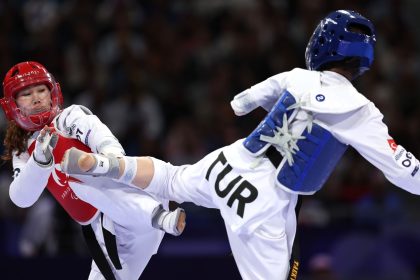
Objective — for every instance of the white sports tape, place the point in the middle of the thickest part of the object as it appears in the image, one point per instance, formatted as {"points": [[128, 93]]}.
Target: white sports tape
{"points": [[130, 170]]}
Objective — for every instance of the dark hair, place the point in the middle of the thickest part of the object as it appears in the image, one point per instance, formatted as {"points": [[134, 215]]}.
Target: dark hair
{"points": [[16, 139]]}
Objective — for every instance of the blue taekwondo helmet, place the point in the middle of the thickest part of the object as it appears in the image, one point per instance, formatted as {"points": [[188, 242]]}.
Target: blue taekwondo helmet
{"points": [[341, 34]]}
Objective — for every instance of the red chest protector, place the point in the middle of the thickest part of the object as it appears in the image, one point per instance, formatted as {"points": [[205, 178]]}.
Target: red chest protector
{"points": [[58, 185]]}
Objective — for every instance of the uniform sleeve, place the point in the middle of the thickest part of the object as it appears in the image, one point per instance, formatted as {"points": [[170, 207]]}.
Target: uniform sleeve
{"points": [[365, 131], [29, 180], [264, 94], [78, 122]]}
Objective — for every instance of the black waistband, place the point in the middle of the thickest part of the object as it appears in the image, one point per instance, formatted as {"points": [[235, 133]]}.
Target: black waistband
{"points": [[98, 255]]}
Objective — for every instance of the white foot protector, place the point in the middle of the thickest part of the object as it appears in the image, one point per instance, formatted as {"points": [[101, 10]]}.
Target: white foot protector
{"points": [[106, 166], [172, 222]]}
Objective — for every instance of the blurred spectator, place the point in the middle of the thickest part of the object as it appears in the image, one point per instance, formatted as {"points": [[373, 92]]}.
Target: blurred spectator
{"points": [[321, 267]]}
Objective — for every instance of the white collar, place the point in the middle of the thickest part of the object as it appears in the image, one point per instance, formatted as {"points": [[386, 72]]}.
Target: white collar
{"points": [[330, 78]]}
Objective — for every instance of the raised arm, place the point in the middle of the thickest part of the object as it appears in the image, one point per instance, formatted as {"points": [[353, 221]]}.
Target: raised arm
{"points": [[365, 131], [31, 173], [78, 122]]}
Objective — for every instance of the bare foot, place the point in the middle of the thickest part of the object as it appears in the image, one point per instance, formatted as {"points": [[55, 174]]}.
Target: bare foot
{"points": [[181, 222], [75, 161], [86, 162]]}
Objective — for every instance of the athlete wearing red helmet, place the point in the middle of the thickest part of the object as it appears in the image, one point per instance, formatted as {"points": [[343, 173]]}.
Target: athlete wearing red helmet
{"points": [[46, 96], [122, 229]]}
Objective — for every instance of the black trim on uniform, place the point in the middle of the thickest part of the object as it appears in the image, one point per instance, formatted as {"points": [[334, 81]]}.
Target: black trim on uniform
{"points": [[274, 156], [111, 246], [294, 261], [97, 253]]}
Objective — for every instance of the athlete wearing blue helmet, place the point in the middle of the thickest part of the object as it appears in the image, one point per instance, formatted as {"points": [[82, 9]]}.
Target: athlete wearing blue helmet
{"points": [[313, 116], [343, 36]]}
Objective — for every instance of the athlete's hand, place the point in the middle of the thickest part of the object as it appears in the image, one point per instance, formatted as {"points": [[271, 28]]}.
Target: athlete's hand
{"points": [[248, 100], [242, 103], [44, 145]]}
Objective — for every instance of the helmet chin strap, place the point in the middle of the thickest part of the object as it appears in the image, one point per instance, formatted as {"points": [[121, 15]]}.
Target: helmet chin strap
{"points": [[40, 111], [29, 113], [35, 121], [40, 117]]}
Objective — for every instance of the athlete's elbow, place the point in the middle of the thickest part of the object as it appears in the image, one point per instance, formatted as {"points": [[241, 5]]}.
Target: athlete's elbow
{"points": [[407, 183], [19, 201]]}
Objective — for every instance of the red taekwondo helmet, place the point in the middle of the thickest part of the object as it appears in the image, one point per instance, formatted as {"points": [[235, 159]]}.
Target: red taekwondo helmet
{"points": [[23, 75]]}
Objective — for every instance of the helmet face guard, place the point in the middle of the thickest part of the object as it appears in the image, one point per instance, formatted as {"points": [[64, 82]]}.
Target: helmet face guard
{"points": [[21, 76], [341, 34]]}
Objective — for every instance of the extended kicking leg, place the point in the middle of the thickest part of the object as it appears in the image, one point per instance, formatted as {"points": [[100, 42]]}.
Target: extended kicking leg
{"points": [[76, 161], [123, 170]]}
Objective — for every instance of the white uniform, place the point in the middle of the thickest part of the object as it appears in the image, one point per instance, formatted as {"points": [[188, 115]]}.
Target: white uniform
{"points": [[126, 211], [259, 211]]}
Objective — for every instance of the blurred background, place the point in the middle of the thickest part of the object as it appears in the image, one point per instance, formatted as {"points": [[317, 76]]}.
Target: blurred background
{"points": [[161, 75]]}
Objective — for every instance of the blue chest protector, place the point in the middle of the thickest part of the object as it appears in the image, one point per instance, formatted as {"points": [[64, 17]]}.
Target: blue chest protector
{"points": [[312, 163]]}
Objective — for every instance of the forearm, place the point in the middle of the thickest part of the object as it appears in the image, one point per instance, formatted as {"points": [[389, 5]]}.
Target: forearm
{"points": [[374, 143], [264, 94], [79, 123], [407, 183], [28, 185], [101, 140], [404, 171]]}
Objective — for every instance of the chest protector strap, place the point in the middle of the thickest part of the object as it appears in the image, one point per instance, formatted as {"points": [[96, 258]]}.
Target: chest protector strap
{"points": [[317, 155], [269, 124]]}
